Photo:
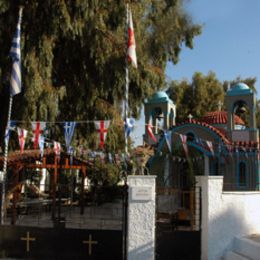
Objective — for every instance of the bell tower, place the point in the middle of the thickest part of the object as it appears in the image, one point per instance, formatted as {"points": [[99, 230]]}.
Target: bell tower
{"points": [[241, 99], [160, 112]]}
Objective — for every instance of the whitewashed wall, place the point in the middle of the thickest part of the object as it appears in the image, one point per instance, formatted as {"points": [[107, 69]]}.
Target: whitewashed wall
{"points": [[141, 219], [225, 215]]}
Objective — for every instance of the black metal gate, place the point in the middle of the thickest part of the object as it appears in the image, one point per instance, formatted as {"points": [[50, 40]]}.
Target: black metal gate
{"points": [[59, 243], [178, 235], [177, 245], [98, 232]]}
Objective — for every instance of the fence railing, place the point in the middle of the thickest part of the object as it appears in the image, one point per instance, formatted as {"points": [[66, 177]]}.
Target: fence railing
{"points": [[39, 205]]}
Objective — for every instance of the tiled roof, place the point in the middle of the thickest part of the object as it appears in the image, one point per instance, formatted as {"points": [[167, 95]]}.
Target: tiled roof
{"points": [[219, 117]]}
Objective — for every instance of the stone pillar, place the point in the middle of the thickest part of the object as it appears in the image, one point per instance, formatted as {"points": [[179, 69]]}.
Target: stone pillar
{"points": [[141, 218]]}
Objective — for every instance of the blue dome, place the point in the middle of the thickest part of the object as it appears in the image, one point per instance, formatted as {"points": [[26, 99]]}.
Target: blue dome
{"points": [[160, 94], [159, 97], [239, 89]]}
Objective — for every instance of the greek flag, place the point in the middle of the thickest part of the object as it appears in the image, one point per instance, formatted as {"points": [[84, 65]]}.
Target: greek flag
{"points": [[69, 128], [129, 125], [15, 53], [11, 127]]}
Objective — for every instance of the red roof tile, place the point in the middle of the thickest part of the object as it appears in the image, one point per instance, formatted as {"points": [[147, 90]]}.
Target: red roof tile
{"points": [[219, 117]]}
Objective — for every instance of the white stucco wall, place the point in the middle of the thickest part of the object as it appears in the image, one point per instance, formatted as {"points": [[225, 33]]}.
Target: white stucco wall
{"points": [[225, 215], [141, 221]]}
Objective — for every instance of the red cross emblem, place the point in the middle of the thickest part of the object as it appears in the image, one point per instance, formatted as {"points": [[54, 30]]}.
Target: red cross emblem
{"points": [[102, 130], [37, 131]]}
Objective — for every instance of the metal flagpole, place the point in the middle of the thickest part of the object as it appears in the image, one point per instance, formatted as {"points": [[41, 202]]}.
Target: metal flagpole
{"points": [[5, 159], [15, 88], [125, 192], [126, 80]]}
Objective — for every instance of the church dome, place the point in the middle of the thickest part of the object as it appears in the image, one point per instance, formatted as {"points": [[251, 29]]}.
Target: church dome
{"points": [[159, 97], [219, 118], [239, 89]]}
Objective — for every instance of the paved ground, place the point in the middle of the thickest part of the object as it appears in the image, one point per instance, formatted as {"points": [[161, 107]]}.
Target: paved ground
{"points": [[255, 237]]}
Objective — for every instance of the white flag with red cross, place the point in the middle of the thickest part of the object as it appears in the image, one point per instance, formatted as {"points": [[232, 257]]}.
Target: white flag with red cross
{"points": [[22, 134], [102, 129], [37, 129], [131, 53]]}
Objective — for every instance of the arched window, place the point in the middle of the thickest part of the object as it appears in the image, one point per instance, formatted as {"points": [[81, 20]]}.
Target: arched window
{"points": [[242, 174]]}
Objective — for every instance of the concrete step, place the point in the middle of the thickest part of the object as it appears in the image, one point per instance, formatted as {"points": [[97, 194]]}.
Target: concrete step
{"points": [[247, 247], [234, 256]]}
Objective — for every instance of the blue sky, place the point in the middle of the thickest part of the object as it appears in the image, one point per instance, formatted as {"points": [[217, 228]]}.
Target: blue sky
{"points": [[229, 44]]}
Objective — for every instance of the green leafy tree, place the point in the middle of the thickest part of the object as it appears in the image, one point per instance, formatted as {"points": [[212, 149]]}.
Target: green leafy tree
{"points": [[73, 57], [203, 95], [197, 97]]}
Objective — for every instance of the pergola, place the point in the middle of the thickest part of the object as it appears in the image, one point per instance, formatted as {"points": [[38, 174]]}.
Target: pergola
{"points": [[31, 159]]}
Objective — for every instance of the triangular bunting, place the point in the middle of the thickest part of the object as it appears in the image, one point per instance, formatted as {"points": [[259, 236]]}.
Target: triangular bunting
{"points": [[22, 134]]}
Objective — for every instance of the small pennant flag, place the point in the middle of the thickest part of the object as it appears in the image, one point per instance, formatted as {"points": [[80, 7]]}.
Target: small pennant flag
{"points": [[56, 148], [22, 134], [184, 143], [102, 128], [37, 129], [168, 139], [129, 126], [15, 53], [11, 126], [210, 146], [150, 131], [69, 128], [41, 144], [131, 53]]}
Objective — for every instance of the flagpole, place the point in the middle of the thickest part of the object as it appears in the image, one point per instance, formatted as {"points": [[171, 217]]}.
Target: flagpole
{"points": [[15, 88], [5, 159], [126, 80]]}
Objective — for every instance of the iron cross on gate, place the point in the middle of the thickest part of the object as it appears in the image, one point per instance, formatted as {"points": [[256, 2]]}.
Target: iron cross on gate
{"points": [[28, 239], [90, 242]]}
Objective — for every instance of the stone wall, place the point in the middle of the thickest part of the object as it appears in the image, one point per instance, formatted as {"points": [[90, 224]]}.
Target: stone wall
{"points": [[225, 215]]}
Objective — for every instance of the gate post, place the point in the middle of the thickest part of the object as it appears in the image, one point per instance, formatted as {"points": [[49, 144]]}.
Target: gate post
{"points": [[141, 218]]}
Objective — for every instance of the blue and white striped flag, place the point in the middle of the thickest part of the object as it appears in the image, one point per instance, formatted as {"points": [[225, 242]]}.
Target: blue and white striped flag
{"points": [[168, 139], [69, 128], [11, 127], [15, 53], [129, 126]]}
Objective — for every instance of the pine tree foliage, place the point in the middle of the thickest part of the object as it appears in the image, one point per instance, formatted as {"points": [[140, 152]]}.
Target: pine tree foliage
{"points": [[73, 55]]}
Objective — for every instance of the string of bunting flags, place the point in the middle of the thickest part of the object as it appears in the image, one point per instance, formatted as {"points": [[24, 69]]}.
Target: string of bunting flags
{"points": [[39, 130]]}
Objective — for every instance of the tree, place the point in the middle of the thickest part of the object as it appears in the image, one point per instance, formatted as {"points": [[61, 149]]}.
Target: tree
{"points": [[203, 95], [198, 97], [73, 56]]}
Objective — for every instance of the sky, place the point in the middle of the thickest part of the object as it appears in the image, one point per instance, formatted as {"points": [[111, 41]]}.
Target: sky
{"points": [[229, 44]]}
